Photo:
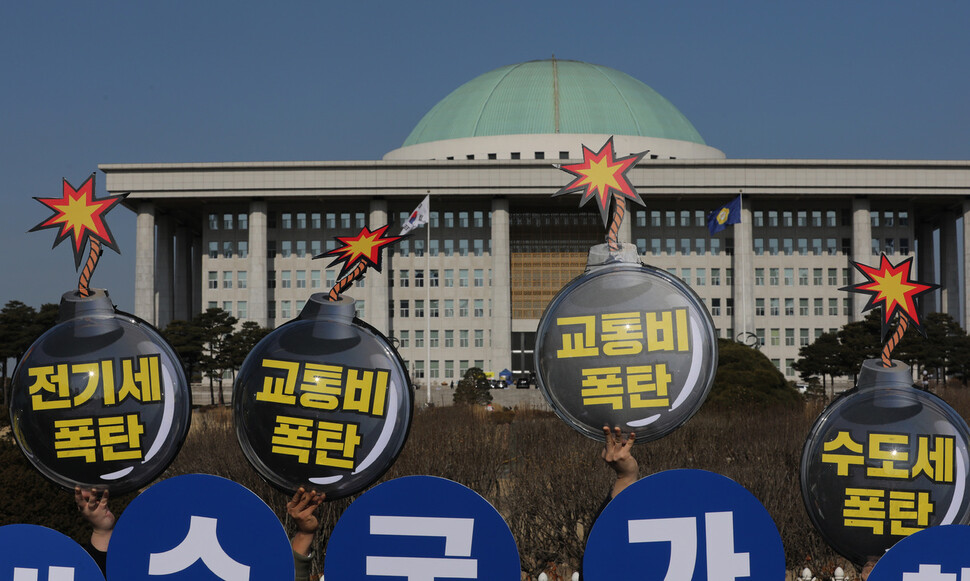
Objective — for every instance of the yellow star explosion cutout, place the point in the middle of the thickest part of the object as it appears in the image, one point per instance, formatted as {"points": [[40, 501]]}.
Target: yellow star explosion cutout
{"points": [[78, 214], [602, 176], [363, 248], [891, 288]]}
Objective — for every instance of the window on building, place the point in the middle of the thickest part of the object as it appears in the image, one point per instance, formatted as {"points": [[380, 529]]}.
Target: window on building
{"points": [[818, 307], [285, 279], [787, 246], [213, 279], [715, 307], [419, 338], [479, 277], [433, 308], [301, 279], [449, 338], [789, 307], [286, 309], [226, 279], [786, 219], [419, 278], [715, 277], [419, 308], [315, 279], [479, 338], [789, 277], [759, 277], [241, 277], [213, 221], [729, 310], [790, 337], [834, 307], [286, 220], [479, 308], [817, 276], [701, 276], [775, 335], [270, 279], [449, 278], [803, 307], [685, 275], [242, 310], [773, 304], [463, 338], [213, 249], [301, 248], [759, 307], [463, 277], [803, 277], [462, 307]]}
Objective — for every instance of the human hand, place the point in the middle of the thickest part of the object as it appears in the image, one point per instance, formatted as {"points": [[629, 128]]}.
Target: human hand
{"points": [[867, 569], [93, 506], [616, 453], [302, 509]]}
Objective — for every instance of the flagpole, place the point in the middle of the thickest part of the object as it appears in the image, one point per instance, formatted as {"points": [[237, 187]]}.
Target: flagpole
{"points": [[744, 275], [427, 287]]}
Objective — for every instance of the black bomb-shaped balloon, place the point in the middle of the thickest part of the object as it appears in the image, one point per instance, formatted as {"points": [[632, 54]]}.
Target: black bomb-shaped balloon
{"points": [[885, 459], [100, 400], [623, 345], [324, 402]]}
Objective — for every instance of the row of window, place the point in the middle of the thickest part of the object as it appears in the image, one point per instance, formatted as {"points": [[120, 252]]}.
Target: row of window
{"points": [[817, 308], [434, 280], [771, 218], [446, 338], [684, 246], [344, 220], [698, 276], [831, 276], [434, 368], [774, 336], [442, 308], [286, 308]]}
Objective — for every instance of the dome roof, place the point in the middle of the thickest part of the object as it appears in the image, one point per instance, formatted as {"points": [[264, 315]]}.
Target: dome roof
{"points": [[553, 97]]}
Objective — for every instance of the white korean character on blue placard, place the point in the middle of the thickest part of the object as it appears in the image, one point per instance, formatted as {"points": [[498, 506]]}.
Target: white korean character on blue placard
{"points": [[198, 526], [36, 553], [934, 554], [421, 528], [684, 525]]}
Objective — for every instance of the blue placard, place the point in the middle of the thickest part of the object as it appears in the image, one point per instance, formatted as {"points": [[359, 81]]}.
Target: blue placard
{"points": [[198, 527], [421, 528], [36, 553], [935, 554], [684, 525]]}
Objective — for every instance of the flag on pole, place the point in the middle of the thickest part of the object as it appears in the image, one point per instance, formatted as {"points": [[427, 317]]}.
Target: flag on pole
{"points": [[729, 213], [418, 218]]}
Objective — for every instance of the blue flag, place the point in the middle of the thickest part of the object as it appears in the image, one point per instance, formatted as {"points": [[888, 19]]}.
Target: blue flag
{"points": [[729, 213]]}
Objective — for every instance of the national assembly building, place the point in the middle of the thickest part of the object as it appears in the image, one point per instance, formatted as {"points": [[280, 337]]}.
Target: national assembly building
{"points": [[469, 288]]}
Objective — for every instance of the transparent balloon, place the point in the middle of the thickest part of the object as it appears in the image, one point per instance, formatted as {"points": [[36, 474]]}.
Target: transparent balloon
{"points": [[882, 461], [626, 345], [100, 400], [323, 402]]}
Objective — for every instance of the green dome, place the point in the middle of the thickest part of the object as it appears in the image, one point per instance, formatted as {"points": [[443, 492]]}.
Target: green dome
{"points": [[553, 96]]}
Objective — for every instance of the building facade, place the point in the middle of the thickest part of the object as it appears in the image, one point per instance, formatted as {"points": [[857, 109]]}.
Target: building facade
{"points": [[469, 289]]}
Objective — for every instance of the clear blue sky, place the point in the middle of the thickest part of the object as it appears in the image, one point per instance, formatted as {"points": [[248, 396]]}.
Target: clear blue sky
{"points": [[88, 82]]}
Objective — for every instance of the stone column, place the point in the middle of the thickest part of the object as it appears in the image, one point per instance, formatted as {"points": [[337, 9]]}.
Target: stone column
{"points": [[742, 291], [965, 321], [861, 252], [196, 260], [164, 271], [145, 262], [183, 274], [926, 267], [500, 352], [376, 287], [258, 264], [949, 266]]}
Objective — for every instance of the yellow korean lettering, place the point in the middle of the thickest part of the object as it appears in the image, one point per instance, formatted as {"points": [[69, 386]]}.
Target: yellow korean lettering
{"points": [[108, 390], [279, 389], [865, 508], [888, 449], [683, 330], [843, 440], [75, 439], [622, 334], [93, 373], [911, 506], [141, 384], [936, 463], [581, 344], [123, 432], [293, 437], [336, 445], [648, 379], [365, 391], [52, 381], [321, 386], [603, 386]]}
